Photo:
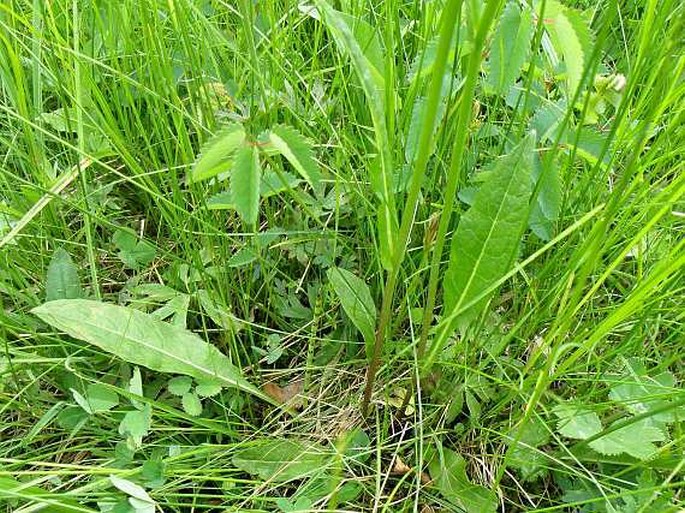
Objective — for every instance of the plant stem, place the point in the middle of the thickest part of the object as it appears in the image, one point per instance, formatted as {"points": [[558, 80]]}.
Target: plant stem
{"points": [[448, 26], [455, 172]]}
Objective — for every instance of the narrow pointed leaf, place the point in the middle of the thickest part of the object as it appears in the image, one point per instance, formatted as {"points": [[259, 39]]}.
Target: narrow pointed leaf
{"points": [[297, 150], [215, 156], [62, 278], [55, 502], [245, 182], [486, 241], [571, 38], [510, 47], [140, 339], [373, 85], [355, 298]]}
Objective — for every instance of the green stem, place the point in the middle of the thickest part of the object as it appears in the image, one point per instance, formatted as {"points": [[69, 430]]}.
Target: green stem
{"points": [[447, 29], [455, 172], [80, 130]]}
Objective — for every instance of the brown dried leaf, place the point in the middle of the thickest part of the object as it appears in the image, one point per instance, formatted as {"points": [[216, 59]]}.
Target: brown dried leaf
{"points": [[400, 467], [290, 393]]}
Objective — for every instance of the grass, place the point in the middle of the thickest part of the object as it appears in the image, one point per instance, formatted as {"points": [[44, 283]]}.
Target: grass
{"points": [[494, 405]]}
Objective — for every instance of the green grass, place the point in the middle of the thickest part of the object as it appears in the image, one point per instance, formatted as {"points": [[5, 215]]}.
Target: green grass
{"points": [[105, 108]]}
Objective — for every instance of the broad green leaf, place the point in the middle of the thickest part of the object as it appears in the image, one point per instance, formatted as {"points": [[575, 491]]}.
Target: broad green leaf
{"points": [[448, 471], [62, 279], [140, 506], [221, 201], [487, 238], [244, 256], [273, 183], [219, 315], [570, 37], [54, 502], [640, 393], [191, 404], [418, 115], [510, 46], [245, 178], [180, 385], [215, 156], [576, 421], [135, 387], [133, 252], [176, 308], [545, 209], [130, 488], [140, 339], [525, 455], [297, 150], [364, 34], [136, 424], [98, 399], [208, 388], [355, 298], [634, 439], [281, 460]]}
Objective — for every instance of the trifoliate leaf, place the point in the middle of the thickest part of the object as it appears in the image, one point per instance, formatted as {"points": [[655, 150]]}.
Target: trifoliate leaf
{"points": [[576, 421]]}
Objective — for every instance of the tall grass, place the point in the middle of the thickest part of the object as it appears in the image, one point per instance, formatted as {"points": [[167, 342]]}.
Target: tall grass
{"points": [[104, 107]]}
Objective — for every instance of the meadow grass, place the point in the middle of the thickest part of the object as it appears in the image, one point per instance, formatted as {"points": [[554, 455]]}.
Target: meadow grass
{"points": [[104, 108]]}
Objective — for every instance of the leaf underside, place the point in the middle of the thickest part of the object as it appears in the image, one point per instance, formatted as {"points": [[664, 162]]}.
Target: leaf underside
{"points": [[140, 339]]}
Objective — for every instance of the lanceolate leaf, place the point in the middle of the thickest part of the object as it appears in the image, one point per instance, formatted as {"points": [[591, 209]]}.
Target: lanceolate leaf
{"points": [[141, 339], [279, 461], [296, 149], [245, 180], [62, 279], [486, 241], [373, 84], [570, 37], [510, 47], [216, 153], [356, 300]]}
